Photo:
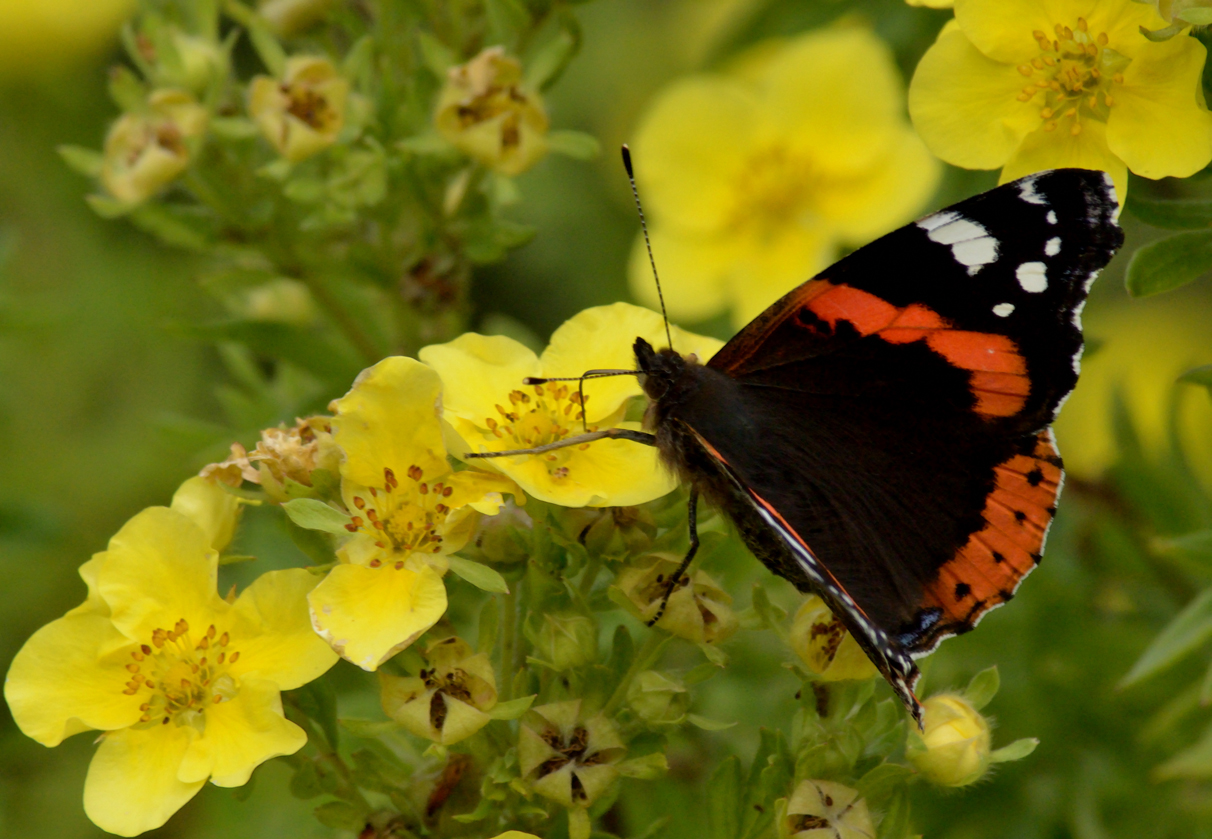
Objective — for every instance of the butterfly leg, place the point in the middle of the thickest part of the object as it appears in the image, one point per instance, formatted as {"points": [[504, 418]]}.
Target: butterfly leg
{"points": [[671, 587]]}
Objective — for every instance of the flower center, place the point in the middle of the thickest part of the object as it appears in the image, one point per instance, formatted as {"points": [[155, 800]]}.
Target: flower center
{"points": [[552, 414], [183, 677], [404, 520], [1073, 74], [775, 187], [309, 106]]}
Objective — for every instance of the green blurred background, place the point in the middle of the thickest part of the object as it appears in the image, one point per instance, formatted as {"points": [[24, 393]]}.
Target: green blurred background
{"points": [[97, 385]]}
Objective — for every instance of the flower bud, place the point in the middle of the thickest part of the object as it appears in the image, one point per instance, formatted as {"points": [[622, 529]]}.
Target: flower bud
{"points": [[826, 810], [502, 538], [290, 17], [567, 759], [824, 645], [199, 62], [447, 702], [953, 751], [488, 113], [567, 641], [281, 300], [700, 611], [619, 531], [657, 698], [146, 151], [302, 113]]}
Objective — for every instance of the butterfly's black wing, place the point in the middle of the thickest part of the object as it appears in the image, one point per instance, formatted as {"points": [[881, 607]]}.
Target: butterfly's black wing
{"points": [[889, 419]]}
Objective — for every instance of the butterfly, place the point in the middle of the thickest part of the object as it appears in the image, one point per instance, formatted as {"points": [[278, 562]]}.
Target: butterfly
{"points": [[881, 435]]}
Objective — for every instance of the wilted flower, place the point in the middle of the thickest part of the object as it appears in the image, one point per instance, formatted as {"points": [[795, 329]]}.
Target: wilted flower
{"points": [[754, 179], [566, 641], [954, 749], [409, 511], [1069, 83], [826, 810], [822, 643], [489, 408], [184, 685], [567, 759], [282, 455], [449, 700], [657, 698], [147, 150], [488, 113], [698, 610], [302, 113]]}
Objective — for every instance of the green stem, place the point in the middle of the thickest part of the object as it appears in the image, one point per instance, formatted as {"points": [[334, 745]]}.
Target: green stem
{"points": [[644, 657], [509, 639], [330, 756], [342, 318], [590, 575]]}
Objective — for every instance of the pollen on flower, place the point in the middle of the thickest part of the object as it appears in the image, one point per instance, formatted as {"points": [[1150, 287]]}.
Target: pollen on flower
{"points": [[179, 679], [550, 415], [1073, 68]]}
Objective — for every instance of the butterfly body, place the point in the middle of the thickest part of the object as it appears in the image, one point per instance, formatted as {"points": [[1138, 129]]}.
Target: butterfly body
{"points": [[880, 436]]}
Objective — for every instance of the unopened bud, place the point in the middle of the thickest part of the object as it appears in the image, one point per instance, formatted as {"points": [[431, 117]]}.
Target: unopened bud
{"points": [[567, 641], [954, 749], [657, 698]]}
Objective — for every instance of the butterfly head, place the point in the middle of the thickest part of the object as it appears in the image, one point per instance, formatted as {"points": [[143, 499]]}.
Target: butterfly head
{"points": [[659, 370]]}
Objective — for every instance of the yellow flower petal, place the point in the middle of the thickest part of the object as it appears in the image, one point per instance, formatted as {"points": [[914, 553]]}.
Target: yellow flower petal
{"points": [[389, 419], [836, 94], [62, 681], [370, 614], [210, 507], [602, 337], [693, 267], [159, 569], [132, 784], [691, 149], [1001, 29], [963, 103], [240, 735], [272, 628], [774, 265], [475, 368], [1159, 125], [1060, 148]]}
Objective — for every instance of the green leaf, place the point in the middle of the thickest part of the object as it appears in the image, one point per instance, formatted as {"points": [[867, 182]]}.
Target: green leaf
{"points": [[1199, 376], [1197, 15], [489, 623], [549, 60], [314, 544], [512, 709], [700, 673], [714, 654], [983, 687], [724, 799], [575, 144], [318, 699], [882, 781], [305, 783], [507, 19], [1183, 214], [314, 352], [340, 815], [266, 44], [1169, 263], [169, 227], [234, 559], [126, 90], [109, 208], [234, 128], [646, 768], [313, 514], [437, 56], [1195, 762], [1017, 750], [895, 823], [479, 575], [84, 161], [1192, 628], [489, 240], [708, 724], [430, 143]]}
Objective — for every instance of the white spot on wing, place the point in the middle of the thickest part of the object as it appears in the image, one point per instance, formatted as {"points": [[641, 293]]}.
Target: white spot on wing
{"points": [[1033, 276], [1026, 191], [1052, 248], [1003, 310], [1113, 194], [1051, 217], [970, 243]]}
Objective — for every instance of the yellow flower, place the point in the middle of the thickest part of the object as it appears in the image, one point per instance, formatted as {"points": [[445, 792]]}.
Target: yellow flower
{"points": [[826, 810], [515, 834], [183, 685], [36, 38], [1027, 86], [450, 699], [565, 758], [146, 151], [410, 510], [488, 113], [822, 643], [932, 4], [954, 749], [753, 180], [483, 374], [302, 113], [699, 610]]}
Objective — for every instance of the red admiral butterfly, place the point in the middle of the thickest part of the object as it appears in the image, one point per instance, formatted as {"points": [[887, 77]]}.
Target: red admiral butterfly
{"points": [[880, 435]]}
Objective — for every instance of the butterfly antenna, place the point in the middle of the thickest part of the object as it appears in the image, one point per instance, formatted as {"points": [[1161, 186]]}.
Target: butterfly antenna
{"points": [[647, 242]]}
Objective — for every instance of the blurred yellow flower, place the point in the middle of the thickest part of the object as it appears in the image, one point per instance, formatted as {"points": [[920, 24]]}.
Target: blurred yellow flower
{"points": [[954, 749], [410, 511], [753, 180], [487, 112], [302, 113], [822, 643], [932, 4], [483, 374], [449, 700], [826, 810], [184, 685], [37, 36], [1029, 86], [146, 151]]}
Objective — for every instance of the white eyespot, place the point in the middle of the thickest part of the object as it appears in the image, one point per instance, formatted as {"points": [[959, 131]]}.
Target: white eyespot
{"points": [[970, 243], [1003, 310], [1026, 191], [1051, 217], [1032, 276], [1053, 246]]}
